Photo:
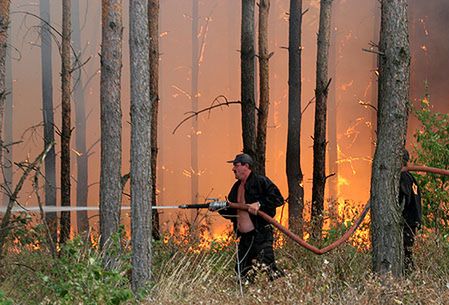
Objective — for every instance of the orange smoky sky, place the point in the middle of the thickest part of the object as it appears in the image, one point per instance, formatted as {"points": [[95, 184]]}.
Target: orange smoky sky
{"points": [[354, 83]]}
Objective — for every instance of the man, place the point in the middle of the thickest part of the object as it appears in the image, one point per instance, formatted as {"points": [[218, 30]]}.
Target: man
{"points": [[256, 235], [410, 200]]}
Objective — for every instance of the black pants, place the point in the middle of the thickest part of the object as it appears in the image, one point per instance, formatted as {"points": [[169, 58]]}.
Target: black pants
{"points": [[409, 239], [256, 250]]}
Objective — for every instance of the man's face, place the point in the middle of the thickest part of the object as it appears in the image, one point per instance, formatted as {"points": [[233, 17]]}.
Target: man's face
{"points": [[241, 171]]}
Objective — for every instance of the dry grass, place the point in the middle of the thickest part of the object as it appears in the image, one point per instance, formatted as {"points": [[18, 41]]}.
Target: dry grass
{"points": [[340, 277], [183, 274]]}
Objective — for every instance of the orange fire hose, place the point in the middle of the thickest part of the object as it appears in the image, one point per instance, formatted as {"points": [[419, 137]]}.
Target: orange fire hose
{"points": [[427, 169], [344, 237], [296, 238]]}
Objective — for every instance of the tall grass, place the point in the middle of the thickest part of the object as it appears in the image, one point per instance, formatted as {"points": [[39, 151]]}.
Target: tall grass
{"points": [[184, 274], [340, 277]]}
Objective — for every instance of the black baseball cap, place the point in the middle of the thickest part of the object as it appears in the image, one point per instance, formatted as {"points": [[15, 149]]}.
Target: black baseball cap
{"points": [[242, 158]]}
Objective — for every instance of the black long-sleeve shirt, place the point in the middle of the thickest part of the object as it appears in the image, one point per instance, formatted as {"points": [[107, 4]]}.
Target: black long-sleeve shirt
{"points": [[260, 189]]}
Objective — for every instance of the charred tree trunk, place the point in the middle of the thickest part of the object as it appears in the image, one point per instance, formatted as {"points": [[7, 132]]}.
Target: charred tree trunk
{"points": [[66, 125], [141, 183], [264, 101], [82, 158], [247, 79], [153, 20], [319, 138], [111, 121], [394, 73], [293, 158], [194, 97], [48, 116], [4, 24]]}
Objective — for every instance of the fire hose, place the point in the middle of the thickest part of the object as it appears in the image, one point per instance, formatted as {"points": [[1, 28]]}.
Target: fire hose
{"points": [[301, 241], [216, 205], [349, 232]]}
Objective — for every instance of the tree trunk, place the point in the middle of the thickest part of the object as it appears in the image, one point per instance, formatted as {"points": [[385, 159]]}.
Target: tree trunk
{"points": [[4, 24], [8, 125], [319, 138], [194, 97], [48, 116], [293, 157], [153, 20], [141, 183], [82, 158], [111, 121], [264, 102], [66, 125], [394, 70], [247, 79]]}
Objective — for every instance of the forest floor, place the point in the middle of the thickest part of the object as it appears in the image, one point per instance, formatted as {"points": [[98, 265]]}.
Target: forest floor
{"points": [[342, 276], [184, 273]]}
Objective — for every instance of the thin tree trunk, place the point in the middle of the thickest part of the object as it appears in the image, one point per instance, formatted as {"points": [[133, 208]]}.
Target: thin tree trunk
{"points": [[66, 125], [264, 102], [48, 116], [319, 138], [82, 158], [394, 78], [153, 20], [8, 122], [293, 157], [111, 122], [247, 78], [4, 24], [141, 183], [194, 97]]}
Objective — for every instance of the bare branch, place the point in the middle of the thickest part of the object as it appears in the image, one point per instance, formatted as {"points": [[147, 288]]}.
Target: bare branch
{"points": [[89, 150], [367, 105], [308, 104], [196, 113], [4, 227], [373, 51], [328, 176]]}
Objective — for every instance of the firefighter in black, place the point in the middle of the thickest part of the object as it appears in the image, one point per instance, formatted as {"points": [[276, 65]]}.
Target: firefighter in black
{"points": [[410, 200]]}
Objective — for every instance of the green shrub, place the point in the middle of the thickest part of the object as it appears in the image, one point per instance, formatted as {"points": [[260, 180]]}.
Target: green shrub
{"points": [[79, 277], [432, 149], [4, 300]]}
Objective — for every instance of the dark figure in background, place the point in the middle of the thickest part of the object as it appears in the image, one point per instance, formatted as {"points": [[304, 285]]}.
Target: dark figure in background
{"points": [[410, 200], [256, 235]]}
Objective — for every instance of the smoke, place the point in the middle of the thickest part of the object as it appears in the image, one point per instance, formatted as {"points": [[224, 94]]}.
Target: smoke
{"points": [[353, 77]]}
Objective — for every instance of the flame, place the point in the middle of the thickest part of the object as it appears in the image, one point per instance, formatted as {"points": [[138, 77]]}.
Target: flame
{"points": [[348, 212], [204, 240]]}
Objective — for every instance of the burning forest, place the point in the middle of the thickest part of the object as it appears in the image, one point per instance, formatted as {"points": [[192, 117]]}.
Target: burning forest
{"points": [[163, 151]]}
